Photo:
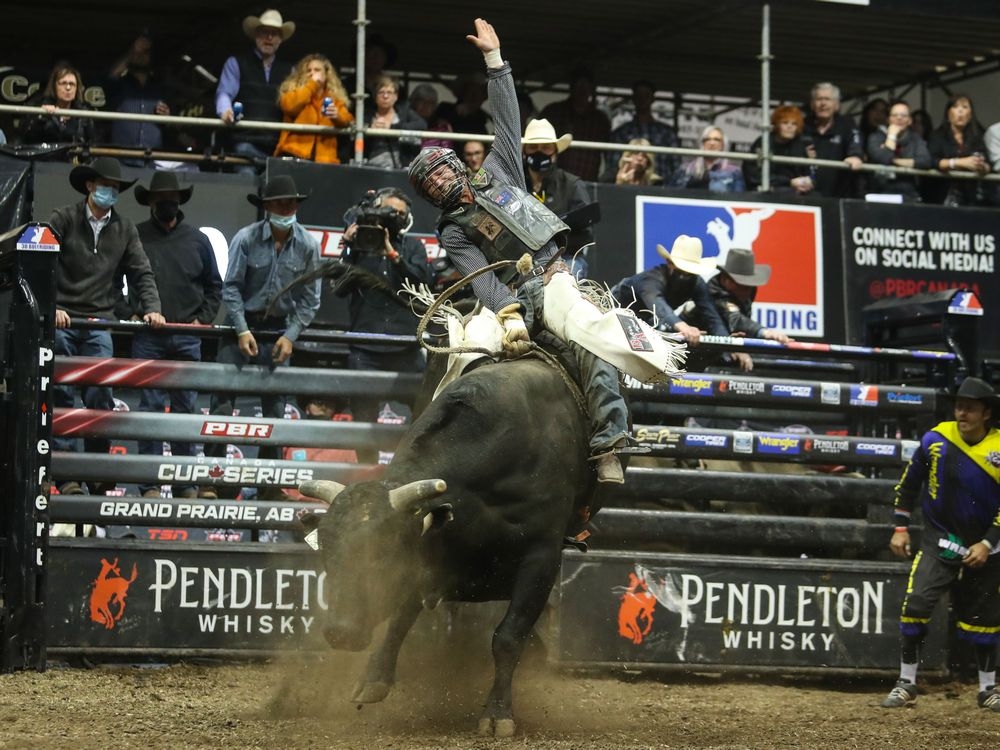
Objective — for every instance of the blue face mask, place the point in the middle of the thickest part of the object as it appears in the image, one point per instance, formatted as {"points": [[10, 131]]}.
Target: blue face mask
{"points": [[281, 222], [105, 196]]}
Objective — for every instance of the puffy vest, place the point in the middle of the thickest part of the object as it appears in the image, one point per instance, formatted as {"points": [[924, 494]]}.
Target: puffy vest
{"points": [[505, 221], [260, 97]]}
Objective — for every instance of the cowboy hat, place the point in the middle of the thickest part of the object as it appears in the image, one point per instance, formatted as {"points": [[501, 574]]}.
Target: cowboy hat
{"points": [[742, 268], [162, 182], [271, 19], [103, 167], [277, 188], [686, 255], [541, 131], [979, 390]]}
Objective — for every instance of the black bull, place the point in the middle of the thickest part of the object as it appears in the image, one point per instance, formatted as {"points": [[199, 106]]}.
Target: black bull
{"points": [[502, 453]]}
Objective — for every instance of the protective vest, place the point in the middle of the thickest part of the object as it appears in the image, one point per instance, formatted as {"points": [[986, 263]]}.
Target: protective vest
{"points": [[260, 97], [506, 221]]}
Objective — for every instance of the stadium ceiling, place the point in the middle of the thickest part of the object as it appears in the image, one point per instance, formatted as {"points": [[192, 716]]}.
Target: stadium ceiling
{"points": [[684, 46]]}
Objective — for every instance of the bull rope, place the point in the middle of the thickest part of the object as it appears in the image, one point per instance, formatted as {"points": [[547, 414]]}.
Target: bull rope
{"points": [[534, 349]]}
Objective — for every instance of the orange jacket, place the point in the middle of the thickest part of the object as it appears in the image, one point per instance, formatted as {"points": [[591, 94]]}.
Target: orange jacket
{"points": [[304, 106]]}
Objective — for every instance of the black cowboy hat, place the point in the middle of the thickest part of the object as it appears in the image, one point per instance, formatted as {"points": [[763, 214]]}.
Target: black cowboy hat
{"points": [[105, 167], [277, 188], [742, 268], [979, 390], [162, 182]]}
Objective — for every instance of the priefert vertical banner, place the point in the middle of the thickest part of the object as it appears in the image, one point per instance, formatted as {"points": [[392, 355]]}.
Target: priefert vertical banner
{"points": [[899, 250]]}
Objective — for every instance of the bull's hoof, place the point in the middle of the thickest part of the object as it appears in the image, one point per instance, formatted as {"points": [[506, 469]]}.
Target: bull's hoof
{"points": [[499, 728], [371, 692]]}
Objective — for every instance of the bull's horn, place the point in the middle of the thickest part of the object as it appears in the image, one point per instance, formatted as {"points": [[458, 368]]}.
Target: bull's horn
{"points": [[321, 489], [409, 497]]}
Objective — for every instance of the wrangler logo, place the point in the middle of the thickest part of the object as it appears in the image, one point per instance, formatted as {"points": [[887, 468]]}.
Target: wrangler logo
{"points": [[236, 429], [107, 599]]}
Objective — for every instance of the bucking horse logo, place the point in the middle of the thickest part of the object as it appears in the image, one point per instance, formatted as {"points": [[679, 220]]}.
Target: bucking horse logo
{"points": [[107, 599]]}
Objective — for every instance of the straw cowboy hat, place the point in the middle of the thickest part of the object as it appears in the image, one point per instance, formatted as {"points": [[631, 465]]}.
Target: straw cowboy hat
{"points": [[105, 167], [686, 255], [271, 19], [277, 188], [742, 268], [162, 182], [541, 131]]}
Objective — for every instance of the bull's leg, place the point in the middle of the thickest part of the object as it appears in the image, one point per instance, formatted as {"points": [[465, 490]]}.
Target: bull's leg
{"points": [[530, 593], [380, 674]]}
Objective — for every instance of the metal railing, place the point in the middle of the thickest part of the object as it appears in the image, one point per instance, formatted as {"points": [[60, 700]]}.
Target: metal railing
{"points": [[363, 132]]}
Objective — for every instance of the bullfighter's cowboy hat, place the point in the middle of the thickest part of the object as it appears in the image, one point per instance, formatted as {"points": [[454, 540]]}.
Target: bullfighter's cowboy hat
{"points": [[103, 167], [686, 255], [541, 131], [980, 390], [277, 188], [742, 268], [162, 182], [271, 19]]}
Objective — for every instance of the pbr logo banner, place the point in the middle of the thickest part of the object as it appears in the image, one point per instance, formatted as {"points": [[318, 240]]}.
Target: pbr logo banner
{"points": [[696, 610], [898, 251], [788, 238]]}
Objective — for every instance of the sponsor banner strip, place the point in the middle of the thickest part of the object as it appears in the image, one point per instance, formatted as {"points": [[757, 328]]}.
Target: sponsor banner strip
{"points": [[139, 511], [239, 430], [743, 445], [834, 351]]}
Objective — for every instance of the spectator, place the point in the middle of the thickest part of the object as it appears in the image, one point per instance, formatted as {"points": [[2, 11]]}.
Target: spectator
{"points": [[252, 79], [705, 172], [391, 152], [733, 290], [786, 139], [560, 191], [636, 167], [187, 278], [424, 102], [899, 146], [644, 125], [64, 90], [466, 114], [473, 153], [302, 99], [385, 259], [957, 145], [264, 259], [874, 117], [380, 55], [953, 471], [579, 115], [325, 411], [835, 138], [658, 294], [921, 124], [134, 89], [97, 246]]}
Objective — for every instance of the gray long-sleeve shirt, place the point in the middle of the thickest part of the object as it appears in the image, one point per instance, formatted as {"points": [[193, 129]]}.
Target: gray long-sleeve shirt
{"points": [[504, 164]]}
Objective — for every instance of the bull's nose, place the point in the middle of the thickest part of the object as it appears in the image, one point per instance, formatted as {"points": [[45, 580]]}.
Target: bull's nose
{"points": [[343, 639]]}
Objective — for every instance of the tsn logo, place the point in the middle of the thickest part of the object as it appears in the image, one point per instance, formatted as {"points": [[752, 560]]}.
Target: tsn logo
{"points": [[236, 429]]}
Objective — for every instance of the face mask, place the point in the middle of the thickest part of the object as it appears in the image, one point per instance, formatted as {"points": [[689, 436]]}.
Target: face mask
{"points": [[539, 161], [281, 222], [166, 211], [105, 196]]}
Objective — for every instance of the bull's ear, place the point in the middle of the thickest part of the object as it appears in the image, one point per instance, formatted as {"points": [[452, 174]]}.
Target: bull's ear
{"points": [[321, 489], [310, 521], [437, 517]]}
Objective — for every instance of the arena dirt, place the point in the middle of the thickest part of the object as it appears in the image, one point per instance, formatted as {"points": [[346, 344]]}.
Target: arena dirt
{"points": [[302, 701]]}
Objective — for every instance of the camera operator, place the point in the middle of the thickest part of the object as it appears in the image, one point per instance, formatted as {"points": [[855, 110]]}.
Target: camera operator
{"points": [[376, 243]]}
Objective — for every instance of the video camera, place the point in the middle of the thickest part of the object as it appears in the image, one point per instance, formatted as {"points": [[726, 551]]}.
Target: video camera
{"points": [[371, 221]]}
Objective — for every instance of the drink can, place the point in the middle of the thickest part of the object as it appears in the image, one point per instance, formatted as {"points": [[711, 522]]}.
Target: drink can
{"points": [[237, 111], [326, 103]]}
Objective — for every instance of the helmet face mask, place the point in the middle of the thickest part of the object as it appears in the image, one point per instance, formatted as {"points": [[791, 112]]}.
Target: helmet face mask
{"points": [[439, 176]]}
